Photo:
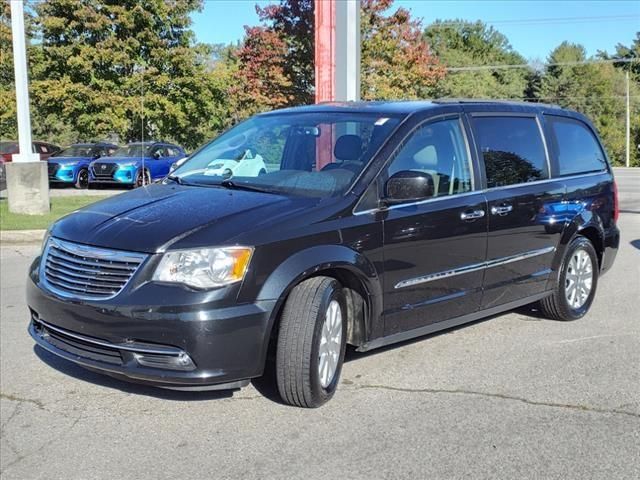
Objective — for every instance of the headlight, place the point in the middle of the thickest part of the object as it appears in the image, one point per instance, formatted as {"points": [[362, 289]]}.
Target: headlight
{"points": [[204, 267], [47, 235], [68, 164], [127, 165]]}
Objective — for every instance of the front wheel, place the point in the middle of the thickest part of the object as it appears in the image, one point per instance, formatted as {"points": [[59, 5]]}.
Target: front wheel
{"points": [[311, 342], [83, 179], [576, 283], [143, 178]]}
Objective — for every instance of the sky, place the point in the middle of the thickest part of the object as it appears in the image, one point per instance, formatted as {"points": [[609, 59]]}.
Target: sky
{"points": [[534, 28]]}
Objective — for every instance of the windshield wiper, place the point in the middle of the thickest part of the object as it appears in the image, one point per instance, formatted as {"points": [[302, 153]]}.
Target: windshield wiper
{"points": [[176, 179], [243, 186]]}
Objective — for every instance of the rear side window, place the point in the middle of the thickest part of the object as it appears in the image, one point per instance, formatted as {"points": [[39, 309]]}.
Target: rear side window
{"points": [[512, 150], [578, 149]]}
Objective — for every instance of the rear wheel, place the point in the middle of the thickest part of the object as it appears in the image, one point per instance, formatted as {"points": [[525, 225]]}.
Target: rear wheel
{"points": [[311, 342], [576, 283], [83, 179]]}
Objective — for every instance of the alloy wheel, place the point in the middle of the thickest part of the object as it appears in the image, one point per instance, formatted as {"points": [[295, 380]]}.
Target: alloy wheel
{"points": [[330, 344], [579, 279]]}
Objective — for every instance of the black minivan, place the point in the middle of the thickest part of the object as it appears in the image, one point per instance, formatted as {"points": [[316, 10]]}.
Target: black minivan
{"points": [[369, 224]]}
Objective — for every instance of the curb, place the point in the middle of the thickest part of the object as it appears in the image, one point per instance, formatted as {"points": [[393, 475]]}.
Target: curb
{"points": [[21, 237]]}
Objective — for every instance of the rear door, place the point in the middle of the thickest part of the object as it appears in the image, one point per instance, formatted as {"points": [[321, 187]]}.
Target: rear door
{"points": [[523, 205], [434, 249]]}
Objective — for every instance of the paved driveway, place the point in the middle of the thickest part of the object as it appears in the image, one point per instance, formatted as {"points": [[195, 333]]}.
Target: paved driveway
{"points": [[515, 396]]}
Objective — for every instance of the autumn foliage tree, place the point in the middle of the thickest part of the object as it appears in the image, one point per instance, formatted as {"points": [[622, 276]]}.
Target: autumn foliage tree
{"points": [[396, 61], [276, 58]]}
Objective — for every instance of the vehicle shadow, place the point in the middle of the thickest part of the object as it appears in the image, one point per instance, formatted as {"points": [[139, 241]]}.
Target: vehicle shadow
{"points": [[635, 243], [529, 311], [265, 385]]}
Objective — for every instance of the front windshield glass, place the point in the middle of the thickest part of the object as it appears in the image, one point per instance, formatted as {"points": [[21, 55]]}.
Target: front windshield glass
{"points": [[307, 154], [133, 150], [76, 151]]}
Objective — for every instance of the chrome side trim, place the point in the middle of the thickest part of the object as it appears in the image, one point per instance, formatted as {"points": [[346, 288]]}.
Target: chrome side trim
{"points": [[473, 267], [114, 346]]}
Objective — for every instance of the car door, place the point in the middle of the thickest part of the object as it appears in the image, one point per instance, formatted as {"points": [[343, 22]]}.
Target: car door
{"points": [[434, 249], [522, 205], [156, 161]]}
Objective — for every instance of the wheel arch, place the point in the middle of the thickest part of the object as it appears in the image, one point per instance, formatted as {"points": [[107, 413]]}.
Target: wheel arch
{"points": [[363, 289], [585, 224]]}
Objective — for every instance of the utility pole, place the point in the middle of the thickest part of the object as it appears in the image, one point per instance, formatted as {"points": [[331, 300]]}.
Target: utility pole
{"points": [[628, 126], [27, 177]]}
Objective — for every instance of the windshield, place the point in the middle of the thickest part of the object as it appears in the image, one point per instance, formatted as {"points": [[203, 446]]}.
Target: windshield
{"points": [[76, 151], [307, 154], [133, 150]]}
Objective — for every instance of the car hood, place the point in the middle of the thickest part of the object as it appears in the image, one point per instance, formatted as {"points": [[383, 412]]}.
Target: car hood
{"points": [[159, 217], [63, 160]]}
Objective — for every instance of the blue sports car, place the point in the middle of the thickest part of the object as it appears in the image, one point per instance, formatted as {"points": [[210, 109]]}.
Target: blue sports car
{"points": [[71, 165], [136, 164]]}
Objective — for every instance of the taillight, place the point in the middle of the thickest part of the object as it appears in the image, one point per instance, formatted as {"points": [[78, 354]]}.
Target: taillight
{"points": [[616, 204], [6, 157]]}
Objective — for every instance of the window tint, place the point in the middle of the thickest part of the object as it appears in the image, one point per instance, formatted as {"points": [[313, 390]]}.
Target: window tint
{"points": [[578, 149], [512, 149], [438, 149]]}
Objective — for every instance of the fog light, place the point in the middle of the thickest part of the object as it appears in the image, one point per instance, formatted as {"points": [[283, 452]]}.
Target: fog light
{"points": [[171, 362]]}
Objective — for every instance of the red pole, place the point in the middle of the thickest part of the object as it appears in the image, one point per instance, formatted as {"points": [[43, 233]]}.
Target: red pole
{"points": [[325, 48]]}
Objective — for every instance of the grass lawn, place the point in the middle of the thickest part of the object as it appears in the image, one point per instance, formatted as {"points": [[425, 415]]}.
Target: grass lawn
{"points": [[59, 206]]}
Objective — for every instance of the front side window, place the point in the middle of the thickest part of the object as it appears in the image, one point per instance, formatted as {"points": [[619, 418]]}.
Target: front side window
{"points": [[439, 150], [578, 149], [512, 149], [133, 150], [302, 154], [76, 151]]}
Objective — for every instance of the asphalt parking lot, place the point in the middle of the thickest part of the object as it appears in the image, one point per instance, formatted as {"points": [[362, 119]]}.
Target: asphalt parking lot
{"points": [[515, 396]]}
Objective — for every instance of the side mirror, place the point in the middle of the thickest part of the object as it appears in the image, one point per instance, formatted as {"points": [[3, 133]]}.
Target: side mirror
{"points": [[156, 155], [408, 185]]}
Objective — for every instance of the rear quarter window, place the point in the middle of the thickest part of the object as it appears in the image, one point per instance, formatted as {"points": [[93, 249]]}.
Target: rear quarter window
{"points": [[577, 147], [512, 149]]}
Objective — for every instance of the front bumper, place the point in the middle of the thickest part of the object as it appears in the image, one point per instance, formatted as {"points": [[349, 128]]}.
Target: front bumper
{"points": [[218, 347], [121, 175]]}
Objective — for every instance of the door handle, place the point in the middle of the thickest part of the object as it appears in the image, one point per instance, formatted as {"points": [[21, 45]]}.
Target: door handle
{"points": [[471, 215], [501, 210]]}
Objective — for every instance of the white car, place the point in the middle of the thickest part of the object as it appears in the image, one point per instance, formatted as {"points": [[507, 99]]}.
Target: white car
{"points": [[247, 165]]}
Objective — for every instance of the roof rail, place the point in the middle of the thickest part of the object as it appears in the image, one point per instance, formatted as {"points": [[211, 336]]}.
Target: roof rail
{"points": [[446, 100]]}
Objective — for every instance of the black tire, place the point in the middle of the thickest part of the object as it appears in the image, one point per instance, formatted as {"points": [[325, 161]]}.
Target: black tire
{"points": [[297, 356], [556, 306], [82, 180], [139, 179]]}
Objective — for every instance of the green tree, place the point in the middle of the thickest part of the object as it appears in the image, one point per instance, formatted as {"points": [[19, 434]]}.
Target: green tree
{"points": [[459, 43], [630, 53], [596, 89], [128, 68], [275, 62]]}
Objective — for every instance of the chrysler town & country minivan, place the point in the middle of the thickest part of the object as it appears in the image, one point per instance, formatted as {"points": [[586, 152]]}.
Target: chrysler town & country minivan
{"points": [[372, 223]]}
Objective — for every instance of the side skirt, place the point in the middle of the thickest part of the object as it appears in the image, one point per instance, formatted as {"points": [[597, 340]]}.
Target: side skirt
{"points": [[446, 324]]}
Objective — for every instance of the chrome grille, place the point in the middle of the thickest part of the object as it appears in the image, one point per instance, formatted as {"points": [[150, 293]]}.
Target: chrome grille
{"points": [[104, 171], [81, 271]]}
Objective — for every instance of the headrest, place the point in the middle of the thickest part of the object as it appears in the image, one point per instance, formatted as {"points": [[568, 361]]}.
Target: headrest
{"points": [[348, 147]]}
